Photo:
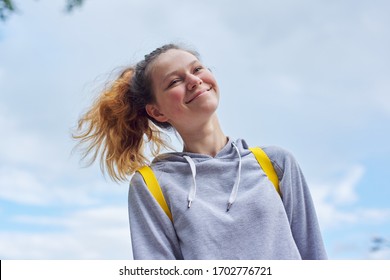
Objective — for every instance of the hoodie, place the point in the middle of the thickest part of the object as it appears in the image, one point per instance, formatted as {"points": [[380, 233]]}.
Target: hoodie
{"points": [[225, 207]]}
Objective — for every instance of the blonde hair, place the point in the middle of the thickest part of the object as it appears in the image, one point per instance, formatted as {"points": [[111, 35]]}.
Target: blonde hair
{"points": [[116, 127]]}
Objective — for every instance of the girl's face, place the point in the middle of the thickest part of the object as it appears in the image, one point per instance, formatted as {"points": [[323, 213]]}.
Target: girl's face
{"points": [[185, 91]]}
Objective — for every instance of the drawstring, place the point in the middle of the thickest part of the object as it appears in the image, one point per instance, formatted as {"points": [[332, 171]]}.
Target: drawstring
{"points": [[233, 194], [191, 195]]}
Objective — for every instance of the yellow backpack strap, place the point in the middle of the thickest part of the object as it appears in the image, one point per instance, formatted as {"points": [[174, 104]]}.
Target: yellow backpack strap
{"points": [[267, 166], [154, 188]]}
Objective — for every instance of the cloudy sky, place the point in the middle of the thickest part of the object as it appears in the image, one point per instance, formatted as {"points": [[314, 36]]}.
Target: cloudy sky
{"points": [[310, 76]]}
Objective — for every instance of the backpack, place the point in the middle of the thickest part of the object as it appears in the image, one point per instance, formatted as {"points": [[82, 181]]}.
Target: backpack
{"points": [[155, 189]]}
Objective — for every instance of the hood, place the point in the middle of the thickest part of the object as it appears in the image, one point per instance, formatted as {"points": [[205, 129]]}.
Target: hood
{"points": [[232, 150]]}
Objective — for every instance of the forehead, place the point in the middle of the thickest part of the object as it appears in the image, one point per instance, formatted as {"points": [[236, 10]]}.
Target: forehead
{"points": [[171, 61]]}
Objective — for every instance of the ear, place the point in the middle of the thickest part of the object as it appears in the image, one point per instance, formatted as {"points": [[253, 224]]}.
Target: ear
{"points": [[155, 113]]}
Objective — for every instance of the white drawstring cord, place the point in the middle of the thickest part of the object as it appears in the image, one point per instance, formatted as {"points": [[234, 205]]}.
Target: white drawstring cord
{"points": [[191, 195], [233, 194]]}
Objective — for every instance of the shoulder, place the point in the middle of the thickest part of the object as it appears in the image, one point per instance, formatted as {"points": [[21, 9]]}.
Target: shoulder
{"points": [[142, 184], [281, 158], [137, 189], [145, 174], [136, 182], [278, 154]]}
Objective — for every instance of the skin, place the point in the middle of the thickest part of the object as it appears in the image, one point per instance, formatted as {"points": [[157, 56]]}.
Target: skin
{"points": [[187, 97]]}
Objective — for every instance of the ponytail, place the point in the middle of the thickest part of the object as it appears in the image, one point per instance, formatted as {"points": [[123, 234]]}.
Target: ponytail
{"points": [[115, 128]]}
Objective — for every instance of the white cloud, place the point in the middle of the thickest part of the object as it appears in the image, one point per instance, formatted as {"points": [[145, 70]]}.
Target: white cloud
{"points": [[37, 171], [337, 203], [2, 75], [26, 187], [344, 192], [87, 220], [96, 233], [25, 146], [380, 95], [383, 254]]}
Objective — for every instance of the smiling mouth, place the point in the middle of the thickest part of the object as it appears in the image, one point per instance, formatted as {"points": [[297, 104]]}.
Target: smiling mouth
{"points": [[197, 94]]}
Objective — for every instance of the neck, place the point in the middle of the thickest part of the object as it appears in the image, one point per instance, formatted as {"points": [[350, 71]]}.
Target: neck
{"points": [[207, 139]]}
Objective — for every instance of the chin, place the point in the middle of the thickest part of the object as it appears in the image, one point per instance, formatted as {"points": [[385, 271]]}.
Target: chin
{"points": [[210, 106]]}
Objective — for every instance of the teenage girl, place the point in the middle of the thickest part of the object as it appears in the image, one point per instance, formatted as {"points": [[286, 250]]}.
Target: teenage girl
{"points": [[221, 203]]}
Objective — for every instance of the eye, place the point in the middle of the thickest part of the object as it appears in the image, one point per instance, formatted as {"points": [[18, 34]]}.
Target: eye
{"points": [[198, 68], [173, 82]]}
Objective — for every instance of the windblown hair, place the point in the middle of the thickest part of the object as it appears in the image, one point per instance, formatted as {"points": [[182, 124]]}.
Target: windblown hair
{"points": [[116, 127]]}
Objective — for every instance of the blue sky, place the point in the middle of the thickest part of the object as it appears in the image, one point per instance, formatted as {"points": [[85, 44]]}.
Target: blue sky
{"points": [[310, 76]]}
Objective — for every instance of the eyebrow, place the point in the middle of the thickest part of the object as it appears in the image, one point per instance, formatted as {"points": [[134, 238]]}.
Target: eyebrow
{"points": [[175, 71]]}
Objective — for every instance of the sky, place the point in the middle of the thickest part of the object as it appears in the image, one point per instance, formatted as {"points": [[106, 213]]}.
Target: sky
{"points": [[309, 76]]}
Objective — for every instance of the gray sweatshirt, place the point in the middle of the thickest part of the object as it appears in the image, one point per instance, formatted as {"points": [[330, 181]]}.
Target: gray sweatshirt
{"points": [[235, 211]]}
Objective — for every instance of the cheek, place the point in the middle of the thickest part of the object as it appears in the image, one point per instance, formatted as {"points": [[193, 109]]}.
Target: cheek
{"points": [[208, 77], [170, 98], [172, 102], [175, 96]]}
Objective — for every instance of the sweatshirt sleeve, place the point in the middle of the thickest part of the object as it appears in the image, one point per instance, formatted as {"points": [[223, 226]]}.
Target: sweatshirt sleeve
{"points": [[298, 204], [152, 232]]}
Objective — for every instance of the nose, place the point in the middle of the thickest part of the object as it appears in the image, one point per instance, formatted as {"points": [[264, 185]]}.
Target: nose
{"points": [[193, 82]]}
